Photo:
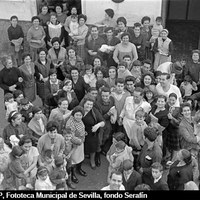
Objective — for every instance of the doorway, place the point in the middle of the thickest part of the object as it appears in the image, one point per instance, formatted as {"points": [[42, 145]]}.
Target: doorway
{"points": [[183, 23]]}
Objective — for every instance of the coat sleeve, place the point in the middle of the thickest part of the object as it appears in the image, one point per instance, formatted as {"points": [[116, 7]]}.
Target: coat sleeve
{"points": [[191, 138]]}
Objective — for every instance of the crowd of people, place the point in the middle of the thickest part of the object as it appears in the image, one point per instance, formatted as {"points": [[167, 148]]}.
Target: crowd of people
{"points": [[114, 93]]}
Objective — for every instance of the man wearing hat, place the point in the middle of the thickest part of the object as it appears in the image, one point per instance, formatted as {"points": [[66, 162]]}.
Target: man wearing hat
{"points": [[111, 41], [108, 20], [162, 49], [151, 152], [172, 69]]}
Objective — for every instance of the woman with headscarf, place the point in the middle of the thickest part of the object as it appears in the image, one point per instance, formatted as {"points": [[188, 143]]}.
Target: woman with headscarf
{"points": [[162, 49]]}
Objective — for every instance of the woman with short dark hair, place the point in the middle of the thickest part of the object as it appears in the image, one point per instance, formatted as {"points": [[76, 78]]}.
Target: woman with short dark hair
{"points": [[93, 121], [35, 37]]}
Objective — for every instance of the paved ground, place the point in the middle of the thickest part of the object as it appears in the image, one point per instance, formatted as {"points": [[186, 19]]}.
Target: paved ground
{"points": [[95, 180]]}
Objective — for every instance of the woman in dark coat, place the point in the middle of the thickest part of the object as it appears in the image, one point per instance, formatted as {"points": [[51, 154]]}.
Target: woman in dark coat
{"points": [[10, 77], [93, 120], [79, 85], [42, 67]]}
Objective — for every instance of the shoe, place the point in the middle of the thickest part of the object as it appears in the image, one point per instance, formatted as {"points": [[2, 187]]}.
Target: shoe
{"points": [[97, 159], [73, 177], [80, 171], [69, 182], [93, 167]]}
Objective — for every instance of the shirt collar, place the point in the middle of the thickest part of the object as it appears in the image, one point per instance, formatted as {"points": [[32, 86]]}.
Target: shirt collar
{"points": [[156, 180]]}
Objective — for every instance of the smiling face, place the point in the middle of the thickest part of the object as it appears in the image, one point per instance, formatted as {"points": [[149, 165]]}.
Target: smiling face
{"points": [[78, 116], [161, 103], [64, 105], [67, 87], [53, 19], [147, 80], [97, 62], [121, 25], [88, 105], [99, 75], [44, 10], [137, 30], [36, 22], [115, 182], [27, 60], [42, 55], [56, 45], [105, 96], [112, 73], [186, 112], [125, 39]]}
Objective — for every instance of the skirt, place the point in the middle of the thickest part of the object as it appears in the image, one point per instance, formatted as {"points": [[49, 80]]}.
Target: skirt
{"points": [[81, 51], [78, 155]]}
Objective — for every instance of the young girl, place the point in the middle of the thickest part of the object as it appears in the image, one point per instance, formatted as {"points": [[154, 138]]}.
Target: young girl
{"points": [[43, 182], [136, 70], [73, 27], [97, 62], [89, 76], [10, 103], [44, 15]]}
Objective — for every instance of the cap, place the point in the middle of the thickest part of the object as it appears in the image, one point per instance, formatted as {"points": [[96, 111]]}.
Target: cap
{"points": [[110, 12], [165, 30], [177, 68]]}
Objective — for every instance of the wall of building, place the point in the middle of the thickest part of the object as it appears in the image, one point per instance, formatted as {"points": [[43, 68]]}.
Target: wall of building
{"points": [[24, 9], [132, 10]]}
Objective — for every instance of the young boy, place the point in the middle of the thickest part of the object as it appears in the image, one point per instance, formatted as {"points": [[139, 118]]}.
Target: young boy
{"points": [[123, 71], [89, 76], [48, 161], [158, 183], [137, 135], [26, 110], [59, 175], [146, 66], [119, 96], [127, 59], [10, 103], [136, 70]]}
